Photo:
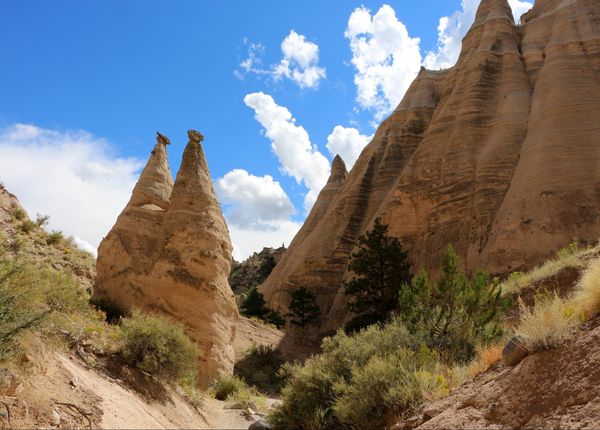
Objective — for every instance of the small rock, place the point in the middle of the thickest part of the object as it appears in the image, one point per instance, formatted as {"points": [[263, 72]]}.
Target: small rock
{"points": [[98, 351], [9, 382], [74, 383], [411, 423], [515, 351], [55, 418], [261, 424], [431, 412], [3, 413]]}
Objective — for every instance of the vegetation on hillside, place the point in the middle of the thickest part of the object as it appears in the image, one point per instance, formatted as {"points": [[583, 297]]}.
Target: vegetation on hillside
{"points": [[303, 308], [391, 369], [254, 306]]}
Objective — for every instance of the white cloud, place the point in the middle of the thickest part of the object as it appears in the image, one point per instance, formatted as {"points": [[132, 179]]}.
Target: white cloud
{"points": [[300, 62], [453, 28], [253, 201], [386, 58], [258, 212], [347, 142], [72, 176], [298, 157]]}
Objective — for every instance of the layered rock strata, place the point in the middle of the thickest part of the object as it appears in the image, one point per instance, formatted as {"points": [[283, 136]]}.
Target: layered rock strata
{"points": [[170, 252], [498, 156]]}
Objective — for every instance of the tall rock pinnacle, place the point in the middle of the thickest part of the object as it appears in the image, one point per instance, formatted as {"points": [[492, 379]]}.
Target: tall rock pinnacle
{"points": [[156, 183], [497, 156], [170, 252]]}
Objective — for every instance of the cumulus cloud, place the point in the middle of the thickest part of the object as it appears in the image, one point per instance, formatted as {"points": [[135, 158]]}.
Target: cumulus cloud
{"points": [[258, 212], [347, 142], [385, 57], [300, 62], [453, 28], [298, 157], [72, 176], [253, 201]]}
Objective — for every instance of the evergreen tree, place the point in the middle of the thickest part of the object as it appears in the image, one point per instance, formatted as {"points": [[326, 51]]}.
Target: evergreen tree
{"points": [[455, 313], [254, 304], [381, 267], [303, 308]]}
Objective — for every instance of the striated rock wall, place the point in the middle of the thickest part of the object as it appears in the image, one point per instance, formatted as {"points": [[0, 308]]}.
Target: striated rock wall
{"points": [[499, 156], [170, 252]]}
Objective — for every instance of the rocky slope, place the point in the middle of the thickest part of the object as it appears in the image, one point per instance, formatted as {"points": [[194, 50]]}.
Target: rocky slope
{"points": [[498, 156], [170, 252], [254, 270]]}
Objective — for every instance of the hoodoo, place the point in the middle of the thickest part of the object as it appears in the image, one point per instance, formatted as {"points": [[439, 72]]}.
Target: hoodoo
{"points": [[498, 156], [170, 252]]}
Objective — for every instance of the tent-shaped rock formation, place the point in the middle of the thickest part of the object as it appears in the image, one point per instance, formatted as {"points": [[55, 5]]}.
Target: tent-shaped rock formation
{"points": [[498, 156], [170, 252]]}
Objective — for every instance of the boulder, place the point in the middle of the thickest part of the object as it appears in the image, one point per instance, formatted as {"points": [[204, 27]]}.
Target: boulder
{"points": [[515, 351]]}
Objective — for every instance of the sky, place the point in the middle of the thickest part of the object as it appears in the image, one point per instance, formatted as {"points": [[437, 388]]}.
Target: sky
{"points": [[278, 88]]}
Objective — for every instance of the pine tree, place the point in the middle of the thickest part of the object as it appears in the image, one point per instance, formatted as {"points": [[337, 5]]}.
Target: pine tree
{"points": [[381, 268], [303, 308], [254, 304]]}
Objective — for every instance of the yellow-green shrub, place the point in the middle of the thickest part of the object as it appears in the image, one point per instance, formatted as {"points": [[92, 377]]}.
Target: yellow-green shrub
{"points": [[358, 379], [158, 346]]}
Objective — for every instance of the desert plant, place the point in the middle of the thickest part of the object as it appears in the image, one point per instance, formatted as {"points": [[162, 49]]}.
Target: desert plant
{"points": [[587, 293], [303, 308], [548, 323], [235, 391], [158, 346], [27, 226], [259, 367], [19, 213], [380, 268], [254, 304], [41, 220], [357, 380], [54, 237], [456, 313]]}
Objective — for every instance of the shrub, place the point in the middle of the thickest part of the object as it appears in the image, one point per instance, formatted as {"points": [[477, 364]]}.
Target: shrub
{"points": [[260, 367], [27, 226], [381, 268], [456, 313], [19, 213], [303, 308], [54, 237], [41, 220], [234, 390], [158, 346], [587, 294], [254, 306], [357, 380]]}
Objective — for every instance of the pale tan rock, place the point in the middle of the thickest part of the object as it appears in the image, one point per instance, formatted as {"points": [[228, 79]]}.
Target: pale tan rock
{"points": [[171, 253], [498, 156]]}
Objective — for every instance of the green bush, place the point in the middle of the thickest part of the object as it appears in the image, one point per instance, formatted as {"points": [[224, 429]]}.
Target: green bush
{"points": [[54, 237], [456, 313], [159, 347], [254, 306], [357, 380], [260, 367], [227, 386], [27, 226], [19, 213]]}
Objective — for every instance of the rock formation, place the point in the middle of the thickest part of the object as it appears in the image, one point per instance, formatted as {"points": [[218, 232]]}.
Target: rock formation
{"points": [[170, 252], [499, 156]]}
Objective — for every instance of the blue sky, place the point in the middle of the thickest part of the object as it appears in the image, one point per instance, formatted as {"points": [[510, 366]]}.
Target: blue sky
{"points": [[85, 85]]}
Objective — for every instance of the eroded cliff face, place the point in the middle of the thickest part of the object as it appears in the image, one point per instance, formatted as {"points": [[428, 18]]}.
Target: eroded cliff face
{"points": [[170, 252], [498, 156]]}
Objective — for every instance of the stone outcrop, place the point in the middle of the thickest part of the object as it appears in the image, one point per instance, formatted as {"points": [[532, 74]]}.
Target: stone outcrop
{"points": [[498, 156], [170, 252]]}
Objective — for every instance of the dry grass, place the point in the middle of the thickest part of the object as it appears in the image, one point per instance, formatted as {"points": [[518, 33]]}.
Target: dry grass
{"points": [[569, 256], [486, 358], [587, 294], [548, 323]]}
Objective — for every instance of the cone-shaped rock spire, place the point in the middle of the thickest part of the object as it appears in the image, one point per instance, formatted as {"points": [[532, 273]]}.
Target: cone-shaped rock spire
{"points": [[338, 171], [170, 252], [489, 9], [156, 183]]}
